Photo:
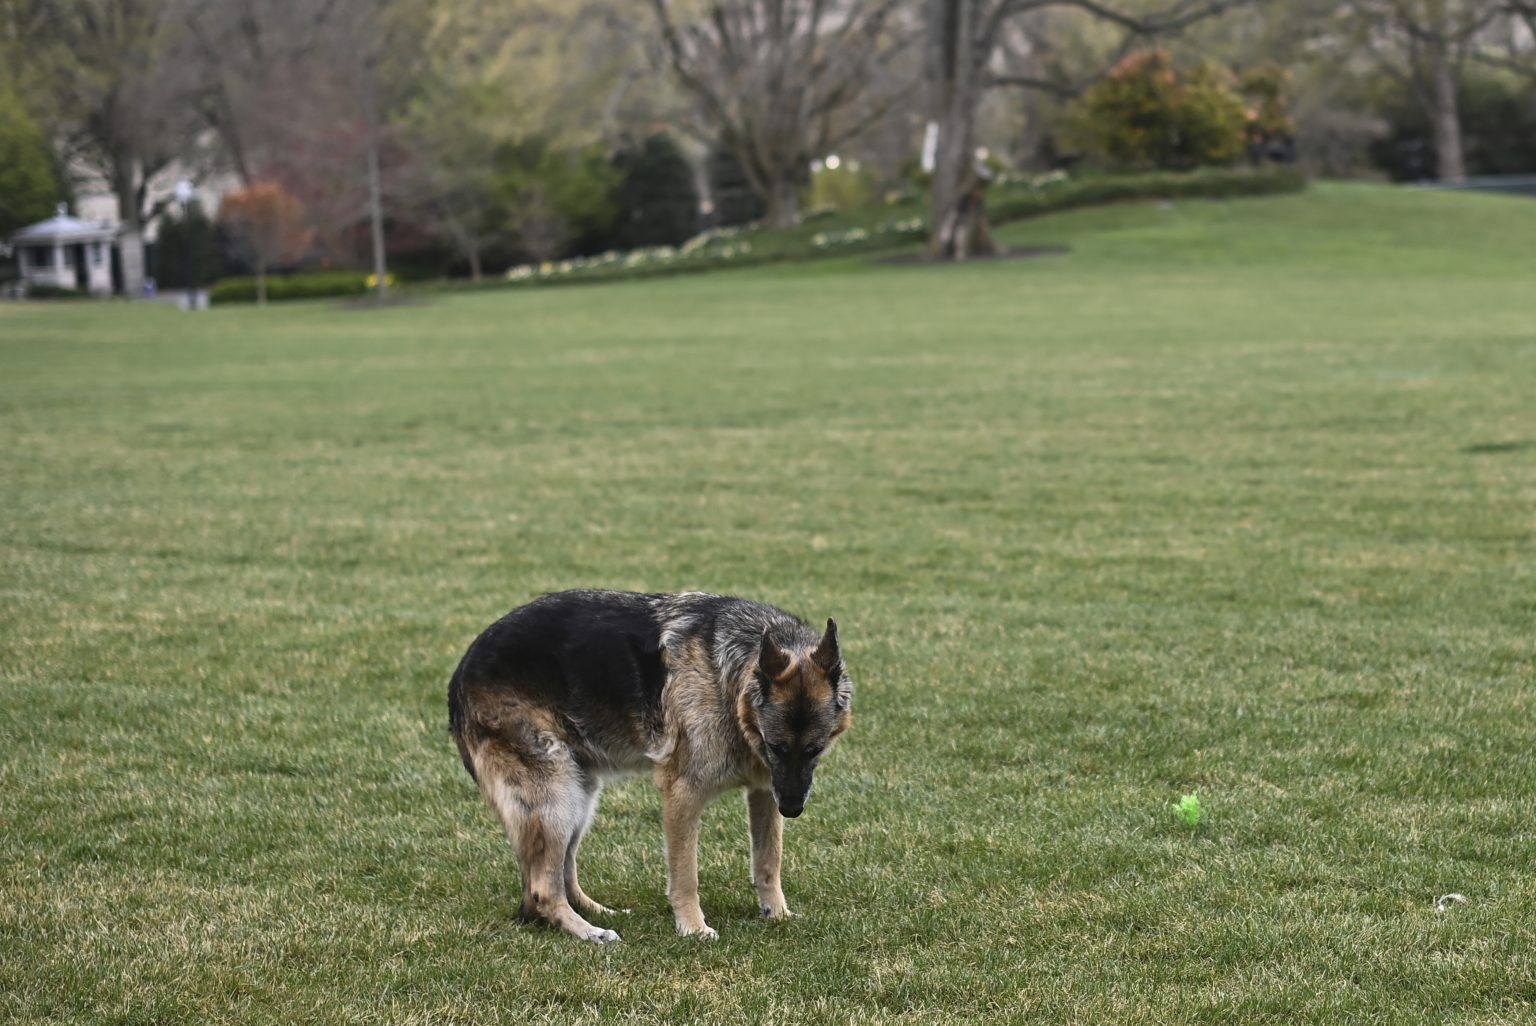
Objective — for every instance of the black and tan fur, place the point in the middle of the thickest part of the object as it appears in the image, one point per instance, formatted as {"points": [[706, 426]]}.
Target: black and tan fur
{"points": [[705, 692]]}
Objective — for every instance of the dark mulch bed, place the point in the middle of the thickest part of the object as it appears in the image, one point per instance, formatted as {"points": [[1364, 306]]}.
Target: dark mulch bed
{"points": [[1015, 253]]}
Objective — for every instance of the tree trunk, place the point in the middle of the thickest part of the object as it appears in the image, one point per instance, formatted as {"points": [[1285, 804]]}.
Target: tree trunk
{"points": [[130, 252], [376, 217], [261, 283], [130, 239], [964, 231], [474, 266], [957, 52], [1450, 165], [783, 200]]}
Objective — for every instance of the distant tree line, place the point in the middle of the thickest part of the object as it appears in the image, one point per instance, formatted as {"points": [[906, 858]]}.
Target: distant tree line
{"points": [[459, 136]]}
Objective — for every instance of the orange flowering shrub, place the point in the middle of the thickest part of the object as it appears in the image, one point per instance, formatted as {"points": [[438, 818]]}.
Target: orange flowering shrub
{"points": [[1147, 113], [1269, 118], [267, 222]]}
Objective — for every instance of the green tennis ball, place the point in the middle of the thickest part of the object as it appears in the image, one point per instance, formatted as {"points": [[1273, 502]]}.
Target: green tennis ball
{"points": [[1188, 809]]}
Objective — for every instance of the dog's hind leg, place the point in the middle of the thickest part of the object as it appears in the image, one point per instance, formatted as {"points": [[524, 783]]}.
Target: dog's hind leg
{"points": [[573, 892], [544, 843], [542, 812]]}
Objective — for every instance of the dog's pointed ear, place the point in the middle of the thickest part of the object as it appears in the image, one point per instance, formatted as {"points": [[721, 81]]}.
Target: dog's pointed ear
{"points": [[772, 659], [827, 655]]}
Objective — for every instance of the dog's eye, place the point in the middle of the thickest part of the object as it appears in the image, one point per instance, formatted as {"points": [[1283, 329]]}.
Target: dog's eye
{"points": [[812, 751]]}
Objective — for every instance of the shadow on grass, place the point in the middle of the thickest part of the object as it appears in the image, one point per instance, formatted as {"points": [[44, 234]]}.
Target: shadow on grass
{"points": [[1491, 448]]}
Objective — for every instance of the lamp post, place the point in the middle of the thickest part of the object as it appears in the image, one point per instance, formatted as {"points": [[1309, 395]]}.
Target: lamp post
{"points": [[184, 193]]}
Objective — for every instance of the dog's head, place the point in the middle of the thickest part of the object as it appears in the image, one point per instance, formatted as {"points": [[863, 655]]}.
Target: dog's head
{"points": [[802, 698]]}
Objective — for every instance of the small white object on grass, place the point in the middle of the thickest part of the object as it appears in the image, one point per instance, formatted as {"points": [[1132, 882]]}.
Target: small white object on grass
{"points": [[1446, 900]]}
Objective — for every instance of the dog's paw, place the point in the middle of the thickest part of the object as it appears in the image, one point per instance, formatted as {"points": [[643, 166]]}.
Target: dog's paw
{"points": [[701, 932], [782, 912], [601, 936]]}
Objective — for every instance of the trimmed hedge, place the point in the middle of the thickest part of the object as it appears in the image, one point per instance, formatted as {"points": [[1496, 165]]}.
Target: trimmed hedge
{"points": [[1005, 205], [54, 293], [315, 285]]}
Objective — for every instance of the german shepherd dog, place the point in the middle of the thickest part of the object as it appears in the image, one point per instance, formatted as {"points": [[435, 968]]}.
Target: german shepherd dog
{"points": [[705, 692]]}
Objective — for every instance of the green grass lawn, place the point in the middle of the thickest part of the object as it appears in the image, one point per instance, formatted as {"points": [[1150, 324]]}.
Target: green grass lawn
{"points": [[1236, 498]]}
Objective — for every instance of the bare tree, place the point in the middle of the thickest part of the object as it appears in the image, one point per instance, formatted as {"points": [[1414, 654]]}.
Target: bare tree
{"points": [[256, 58], [304, 91], [453, 125], [783, 81], [963, 38], [452, 191]]}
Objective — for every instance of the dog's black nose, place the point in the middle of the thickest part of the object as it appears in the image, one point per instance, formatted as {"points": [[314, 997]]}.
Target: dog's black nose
{"points": [[791, 811]]}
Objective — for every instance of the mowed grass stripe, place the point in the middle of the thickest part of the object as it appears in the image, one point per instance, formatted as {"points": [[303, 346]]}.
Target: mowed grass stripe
{"points": [[1236, 498]]}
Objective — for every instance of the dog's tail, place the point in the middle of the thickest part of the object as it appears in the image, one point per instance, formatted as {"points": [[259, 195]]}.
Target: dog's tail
{"points": [[456, 714]]}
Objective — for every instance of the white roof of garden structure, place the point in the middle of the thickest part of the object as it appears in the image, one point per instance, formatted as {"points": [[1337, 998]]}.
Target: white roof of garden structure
{"points": [[63, 228]]}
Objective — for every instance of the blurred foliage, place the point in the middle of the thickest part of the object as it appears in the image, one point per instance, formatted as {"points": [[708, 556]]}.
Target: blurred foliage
{"points": [[1270, 129], [268, 224], [1498, 125], [189, 250], [1148, 113], [38, 290], [29, 189], [656, 200], [735, 201], [845, 187], [506, 127], [554, 196]]}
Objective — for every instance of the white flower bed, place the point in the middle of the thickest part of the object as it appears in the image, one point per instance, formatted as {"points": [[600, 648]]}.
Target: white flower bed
{"points": [[713, 246], [887, 231], [1033, 181]]}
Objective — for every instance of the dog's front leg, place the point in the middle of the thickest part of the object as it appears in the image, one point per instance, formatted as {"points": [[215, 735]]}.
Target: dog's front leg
{"points": [[681, 807], [767, 852]]}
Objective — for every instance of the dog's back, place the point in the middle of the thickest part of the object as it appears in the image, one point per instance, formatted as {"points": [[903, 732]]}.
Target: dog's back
{"points": [[589, 662]]}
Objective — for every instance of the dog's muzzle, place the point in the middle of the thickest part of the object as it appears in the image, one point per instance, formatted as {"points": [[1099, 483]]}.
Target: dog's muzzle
{"points": [[789, 808]]}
